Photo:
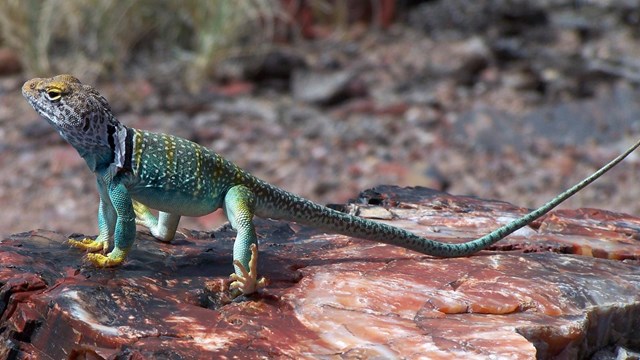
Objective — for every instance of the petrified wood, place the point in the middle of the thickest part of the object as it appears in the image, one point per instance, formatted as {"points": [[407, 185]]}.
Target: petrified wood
{"points": [[567, 287]]}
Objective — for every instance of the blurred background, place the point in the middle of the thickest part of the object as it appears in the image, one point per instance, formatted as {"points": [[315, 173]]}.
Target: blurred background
{"points": [[500, 99]]}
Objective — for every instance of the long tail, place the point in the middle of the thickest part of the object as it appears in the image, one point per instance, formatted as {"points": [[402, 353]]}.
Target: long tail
{"points": [[476, 245], [284, 205]]}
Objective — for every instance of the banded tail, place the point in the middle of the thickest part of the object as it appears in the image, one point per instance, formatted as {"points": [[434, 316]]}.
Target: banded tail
{"points": [[330, 220]]}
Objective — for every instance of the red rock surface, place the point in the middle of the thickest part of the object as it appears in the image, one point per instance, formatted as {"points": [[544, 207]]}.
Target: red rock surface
{"points": [[534, 294]]}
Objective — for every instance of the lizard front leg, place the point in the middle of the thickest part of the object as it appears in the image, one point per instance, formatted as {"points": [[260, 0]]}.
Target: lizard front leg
{"points": [[125, 228], [239, 205], [162, 228], [106, 225]]}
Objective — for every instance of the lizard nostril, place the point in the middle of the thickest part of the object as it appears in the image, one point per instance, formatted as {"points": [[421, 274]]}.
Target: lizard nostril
{"points": [[29, 85], [32, 84]]}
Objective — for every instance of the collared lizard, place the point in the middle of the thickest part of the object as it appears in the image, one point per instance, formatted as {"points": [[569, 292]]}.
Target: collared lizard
{"points": [[137, 170]]}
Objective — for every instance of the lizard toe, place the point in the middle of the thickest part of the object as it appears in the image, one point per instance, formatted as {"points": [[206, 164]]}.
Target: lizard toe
{"points": [[88, 244], [248, 282]]}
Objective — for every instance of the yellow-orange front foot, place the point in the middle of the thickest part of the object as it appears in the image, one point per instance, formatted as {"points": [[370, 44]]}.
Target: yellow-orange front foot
{"points": [[114, 258], [90, 245], [248, 283]]}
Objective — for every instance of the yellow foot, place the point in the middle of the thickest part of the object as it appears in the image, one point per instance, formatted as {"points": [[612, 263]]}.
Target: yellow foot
{"points": [[248, 283], [100, 260], [89, 244], [144, 216]]}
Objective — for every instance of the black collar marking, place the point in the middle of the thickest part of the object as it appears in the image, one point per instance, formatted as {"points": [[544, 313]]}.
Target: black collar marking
{"points": [[128, 150], [111, 132]]}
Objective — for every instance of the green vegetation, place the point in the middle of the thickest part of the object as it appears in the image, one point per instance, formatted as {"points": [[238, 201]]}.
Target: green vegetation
{"points": [[107, 37], [113, 38]]}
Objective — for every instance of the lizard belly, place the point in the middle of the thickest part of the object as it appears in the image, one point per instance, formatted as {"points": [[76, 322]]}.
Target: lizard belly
{"points": [[175, 202]]}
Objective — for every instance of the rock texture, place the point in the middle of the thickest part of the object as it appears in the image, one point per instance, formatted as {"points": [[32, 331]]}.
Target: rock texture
{"points": [[567, 287]]}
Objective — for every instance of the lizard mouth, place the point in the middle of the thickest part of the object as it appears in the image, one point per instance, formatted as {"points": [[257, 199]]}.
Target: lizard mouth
{"points": [[42, 111]]}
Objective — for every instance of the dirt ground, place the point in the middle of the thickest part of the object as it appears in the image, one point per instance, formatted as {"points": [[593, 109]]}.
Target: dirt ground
{"points": [[516, 105]]}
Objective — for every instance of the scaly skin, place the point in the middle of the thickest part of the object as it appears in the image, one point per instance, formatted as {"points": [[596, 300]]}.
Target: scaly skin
{"points": [[137, 170]]}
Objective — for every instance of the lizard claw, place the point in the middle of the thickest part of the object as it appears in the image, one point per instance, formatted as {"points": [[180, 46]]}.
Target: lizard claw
{"points": [[89, 245], [248, 282]]}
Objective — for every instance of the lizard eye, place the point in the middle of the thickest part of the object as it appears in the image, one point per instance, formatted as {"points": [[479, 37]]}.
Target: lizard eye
{"points": [[54, 94]]}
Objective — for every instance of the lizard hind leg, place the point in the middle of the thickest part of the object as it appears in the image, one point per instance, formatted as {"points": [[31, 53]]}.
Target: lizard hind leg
{"points": [[239, 204]]}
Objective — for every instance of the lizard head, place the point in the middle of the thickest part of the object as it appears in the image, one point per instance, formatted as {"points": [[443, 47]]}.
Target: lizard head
{"points": [[81, 115]]}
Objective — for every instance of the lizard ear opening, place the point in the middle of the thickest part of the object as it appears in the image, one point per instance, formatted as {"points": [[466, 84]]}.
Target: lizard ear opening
{"points": [[54, 94]]}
